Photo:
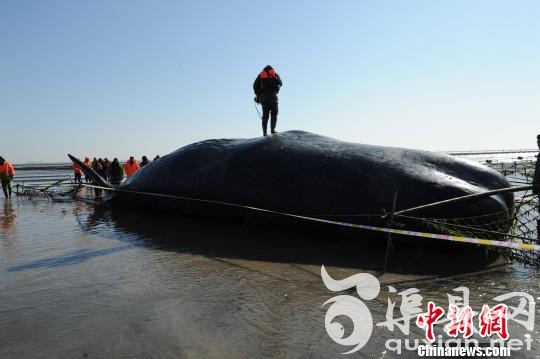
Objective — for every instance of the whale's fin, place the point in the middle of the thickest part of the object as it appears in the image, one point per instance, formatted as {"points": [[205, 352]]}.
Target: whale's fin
{"points": [[96, 178]]}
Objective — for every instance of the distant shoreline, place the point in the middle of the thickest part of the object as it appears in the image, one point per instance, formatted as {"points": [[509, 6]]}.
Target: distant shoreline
{"points": [[42, 166]]}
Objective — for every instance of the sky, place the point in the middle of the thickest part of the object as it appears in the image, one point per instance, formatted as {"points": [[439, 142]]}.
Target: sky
{"points": [[114, 78]]}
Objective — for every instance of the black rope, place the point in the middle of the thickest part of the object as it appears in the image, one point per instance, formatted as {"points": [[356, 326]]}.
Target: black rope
{"points": [[258, 112], [473, 229]]}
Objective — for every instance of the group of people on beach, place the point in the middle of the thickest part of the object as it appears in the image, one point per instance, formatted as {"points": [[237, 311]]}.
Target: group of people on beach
{"points": [[111, 171]]}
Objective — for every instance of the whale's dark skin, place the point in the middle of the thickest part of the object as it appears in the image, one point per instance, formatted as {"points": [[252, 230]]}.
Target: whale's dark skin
{"points": [[303, 173]]}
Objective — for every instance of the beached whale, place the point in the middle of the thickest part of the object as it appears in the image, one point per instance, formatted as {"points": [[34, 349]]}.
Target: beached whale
{"points": [[303, 173], [297, 172]]}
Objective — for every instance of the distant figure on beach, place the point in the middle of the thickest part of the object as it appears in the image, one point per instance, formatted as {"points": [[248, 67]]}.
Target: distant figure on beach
{"points": [[77, 173], [96, 165], [7, 172], [99, 168], [131, 166], [89, 164], [266, 88], [144, 161], [116, 172], [536, 177], [105, 168]]}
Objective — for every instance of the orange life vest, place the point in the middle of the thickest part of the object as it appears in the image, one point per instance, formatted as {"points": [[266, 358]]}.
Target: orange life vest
{"points": [[76, 169], [270, 74], [7, 169], [131, 168]]}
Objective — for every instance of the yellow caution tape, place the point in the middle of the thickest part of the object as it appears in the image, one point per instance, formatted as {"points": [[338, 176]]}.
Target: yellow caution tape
{"points": [[485, 242]]}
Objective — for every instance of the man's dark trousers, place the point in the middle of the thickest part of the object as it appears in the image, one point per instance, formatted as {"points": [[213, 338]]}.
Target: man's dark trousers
{"points": [[6, 187], [269, 109]]}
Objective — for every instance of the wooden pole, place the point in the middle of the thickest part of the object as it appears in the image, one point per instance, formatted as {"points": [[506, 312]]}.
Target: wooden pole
{"points": [[389, 247]]}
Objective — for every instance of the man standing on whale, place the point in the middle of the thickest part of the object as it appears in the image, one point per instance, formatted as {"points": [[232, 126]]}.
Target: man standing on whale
{"points": [[266, 87]]}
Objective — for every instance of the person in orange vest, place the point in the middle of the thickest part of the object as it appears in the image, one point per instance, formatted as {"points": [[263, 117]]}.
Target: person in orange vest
{"points": [[77, 173], [89, 164], [266, 88], [7, 172], [131, 166]]}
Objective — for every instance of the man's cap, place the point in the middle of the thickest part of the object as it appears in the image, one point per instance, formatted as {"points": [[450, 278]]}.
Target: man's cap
{"points": [[268, 68]]}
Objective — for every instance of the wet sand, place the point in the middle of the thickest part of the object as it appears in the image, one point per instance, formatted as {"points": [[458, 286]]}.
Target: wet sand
{"points": [[77, 281]]}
